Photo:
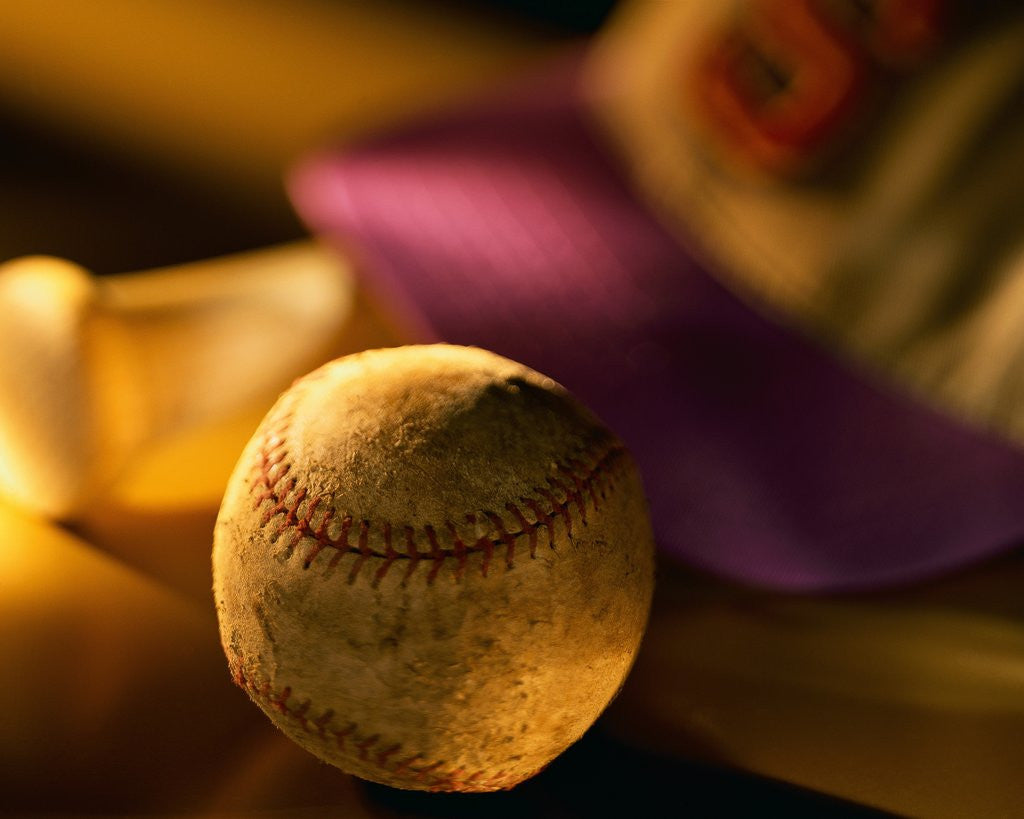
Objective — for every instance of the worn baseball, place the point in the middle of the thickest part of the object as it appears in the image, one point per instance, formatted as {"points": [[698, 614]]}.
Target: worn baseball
{"points": [[432, 567]]}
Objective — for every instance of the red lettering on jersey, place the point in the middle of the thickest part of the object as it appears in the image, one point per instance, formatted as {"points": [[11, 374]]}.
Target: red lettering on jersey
{"points": [[787, 78]]}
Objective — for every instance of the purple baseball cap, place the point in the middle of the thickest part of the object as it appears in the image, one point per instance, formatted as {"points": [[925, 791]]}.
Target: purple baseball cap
{"points": [[510, 225]]}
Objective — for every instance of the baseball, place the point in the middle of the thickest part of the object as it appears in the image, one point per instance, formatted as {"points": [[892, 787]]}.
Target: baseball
{"points": [[432, 567]]}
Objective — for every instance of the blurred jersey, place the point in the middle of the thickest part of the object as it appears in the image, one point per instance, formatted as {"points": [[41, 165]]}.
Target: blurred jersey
{"points": [[853, 167]]}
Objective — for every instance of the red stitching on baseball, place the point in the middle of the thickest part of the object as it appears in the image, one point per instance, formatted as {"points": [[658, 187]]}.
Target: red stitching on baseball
{"points": [[432, 774], [389, 556], [404, 765], [506, 538], [323, 720], [524, 526], [342, 735], [556, 507], [579, 492], [543, 519], [460, 551], [346, 524], [385, 755], [363, 746], [481, 544], [273, 485], [364, 537], [436, 554]]}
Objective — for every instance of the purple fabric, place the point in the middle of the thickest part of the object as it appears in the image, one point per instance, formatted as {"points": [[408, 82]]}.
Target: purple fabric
{"points": [[508, 226]]}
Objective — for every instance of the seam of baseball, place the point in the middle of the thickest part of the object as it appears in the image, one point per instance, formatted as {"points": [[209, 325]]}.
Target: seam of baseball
{"points": [[272, 481], [373, 749]]}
